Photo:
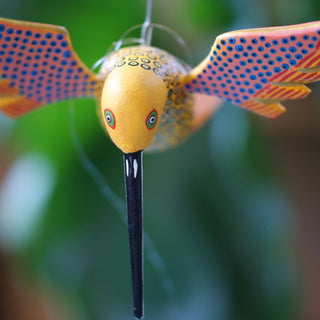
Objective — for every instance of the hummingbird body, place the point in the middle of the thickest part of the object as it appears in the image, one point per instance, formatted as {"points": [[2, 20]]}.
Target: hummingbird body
{"points": [[149, 62]]}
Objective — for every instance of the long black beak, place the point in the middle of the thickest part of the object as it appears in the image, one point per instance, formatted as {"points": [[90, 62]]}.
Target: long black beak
{"points": [[133, 179]]}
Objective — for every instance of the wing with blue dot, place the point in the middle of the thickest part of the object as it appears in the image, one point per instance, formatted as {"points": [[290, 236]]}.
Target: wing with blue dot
{"points": [[256, 69], [38, 66]]}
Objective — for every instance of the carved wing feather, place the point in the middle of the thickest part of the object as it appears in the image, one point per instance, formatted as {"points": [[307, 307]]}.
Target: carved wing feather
{"points": [[38, 66], [257, 68]]}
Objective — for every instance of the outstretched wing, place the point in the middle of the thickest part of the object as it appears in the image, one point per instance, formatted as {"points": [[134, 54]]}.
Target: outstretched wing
{"points": [[257, 68], [38, 66]]}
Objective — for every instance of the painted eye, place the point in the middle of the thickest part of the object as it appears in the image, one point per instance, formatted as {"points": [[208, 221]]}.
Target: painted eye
{"points": [[152, 119], [110, 118]]}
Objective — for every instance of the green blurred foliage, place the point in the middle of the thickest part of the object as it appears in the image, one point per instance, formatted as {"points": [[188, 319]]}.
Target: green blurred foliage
{"points": [[210, 14], [214, 208]]}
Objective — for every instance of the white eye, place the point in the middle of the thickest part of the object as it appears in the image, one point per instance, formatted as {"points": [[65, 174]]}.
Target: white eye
{"points": [[108, 118], [152, 120]]}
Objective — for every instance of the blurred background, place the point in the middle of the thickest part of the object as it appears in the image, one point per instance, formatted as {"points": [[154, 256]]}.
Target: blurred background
{"points": [[231, 216]]}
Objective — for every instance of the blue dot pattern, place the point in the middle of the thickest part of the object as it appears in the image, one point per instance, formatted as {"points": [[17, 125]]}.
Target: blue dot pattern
{"points": [[38, 62], [244, 66]]}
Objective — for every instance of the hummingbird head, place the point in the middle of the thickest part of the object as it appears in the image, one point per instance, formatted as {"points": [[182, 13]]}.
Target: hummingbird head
{"points": [[132, 102]]}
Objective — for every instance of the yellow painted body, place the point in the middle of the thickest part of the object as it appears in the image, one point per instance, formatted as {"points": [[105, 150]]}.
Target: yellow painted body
{"points": [[138, 80]]}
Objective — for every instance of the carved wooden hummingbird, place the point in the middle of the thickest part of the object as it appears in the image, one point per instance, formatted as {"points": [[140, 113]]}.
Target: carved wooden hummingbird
{"points": [[147, 99]]}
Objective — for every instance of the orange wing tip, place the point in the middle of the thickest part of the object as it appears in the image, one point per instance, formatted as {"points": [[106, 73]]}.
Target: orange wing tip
{"points": [[16, 106], [5, 89], [270, 110], [235, 69], [54, 72], [280, 92]]}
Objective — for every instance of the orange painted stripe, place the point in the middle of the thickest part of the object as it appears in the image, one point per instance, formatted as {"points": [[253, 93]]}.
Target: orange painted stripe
{"points": [[299, 95], [251, 105], [277, 76], [265, 93], [280, 90], [292, 96], [298, 77], [272, 90], [313, 76], [292, 77], [306, 59], [262, 107], [286, 76], [267, 110], [258, 107], [285, 94], [307, 77], [248, 104], [315, 59]]}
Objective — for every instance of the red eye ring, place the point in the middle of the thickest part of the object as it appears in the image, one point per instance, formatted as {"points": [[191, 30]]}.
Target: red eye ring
{"points": [[110, 118], [152, 119]]}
